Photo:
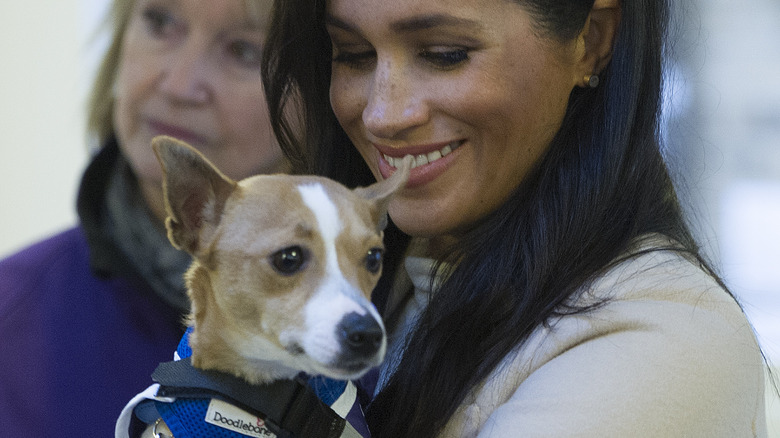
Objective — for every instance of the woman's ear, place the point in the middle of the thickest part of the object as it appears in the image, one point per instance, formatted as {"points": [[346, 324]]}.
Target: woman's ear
{"points": [[597, 39]]}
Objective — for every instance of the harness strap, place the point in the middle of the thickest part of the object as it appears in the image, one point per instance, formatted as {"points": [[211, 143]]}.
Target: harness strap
{"points": [[288, 406]]}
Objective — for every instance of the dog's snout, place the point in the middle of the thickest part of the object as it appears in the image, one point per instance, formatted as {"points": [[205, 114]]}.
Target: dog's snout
{"points": [[361, 334]]}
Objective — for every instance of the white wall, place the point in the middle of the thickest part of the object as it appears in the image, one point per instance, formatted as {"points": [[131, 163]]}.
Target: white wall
{"points": [[46, 66], [731, 62]]}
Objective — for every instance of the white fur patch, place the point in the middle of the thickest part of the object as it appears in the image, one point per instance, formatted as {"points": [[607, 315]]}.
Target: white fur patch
{"points": [[328, 221], [336, 297]]}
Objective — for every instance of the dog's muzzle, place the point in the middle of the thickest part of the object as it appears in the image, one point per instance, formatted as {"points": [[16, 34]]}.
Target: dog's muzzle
{"points": [[361, 338]]}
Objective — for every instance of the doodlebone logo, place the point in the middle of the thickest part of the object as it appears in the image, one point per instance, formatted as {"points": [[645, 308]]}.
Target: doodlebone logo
{"points": [[227, 416]]}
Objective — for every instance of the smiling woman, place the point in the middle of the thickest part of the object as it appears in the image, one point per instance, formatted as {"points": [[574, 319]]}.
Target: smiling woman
{"points": [[86, 315], [466, 82], [541, 279]]}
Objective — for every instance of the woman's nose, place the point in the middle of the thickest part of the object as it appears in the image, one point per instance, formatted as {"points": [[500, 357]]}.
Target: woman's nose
{"points": [[185, 76], [394, 104]]}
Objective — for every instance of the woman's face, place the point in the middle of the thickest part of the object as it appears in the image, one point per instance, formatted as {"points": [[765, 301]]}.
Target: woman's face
{"points": [[191, 70], [466, 86]]}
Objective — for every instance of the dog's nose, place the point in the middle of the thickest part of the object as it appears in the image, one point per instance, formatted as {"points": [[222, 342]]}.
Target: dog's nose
{"points": [[361, 335]]}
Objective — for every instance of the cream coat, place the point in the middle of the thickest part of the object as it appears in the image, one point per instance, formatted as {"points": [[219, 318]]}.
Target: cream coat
{"points": [[670, 355]]}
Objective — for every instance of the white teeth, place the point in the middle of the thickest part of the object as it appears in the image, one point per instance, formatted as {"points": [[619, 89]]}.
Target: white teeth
{"points": [[423, 159]]}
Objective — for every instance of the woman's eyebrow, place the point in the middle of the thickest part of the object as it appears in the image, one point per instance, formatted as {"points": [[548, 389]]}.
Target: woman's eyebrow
{"points": [[424, 22], [414, 24]]}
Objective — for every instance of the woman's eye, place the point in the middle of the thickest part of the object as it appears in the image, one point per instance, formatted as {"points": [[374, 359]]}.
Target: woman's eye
{"points": [[355, 60], [158, 21], [247, 54], [445, 58]]}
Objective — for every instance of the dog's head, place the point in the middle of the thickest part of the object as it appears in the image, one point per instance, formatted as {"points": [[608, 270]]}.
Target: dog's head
{"points": [[283, 267]]}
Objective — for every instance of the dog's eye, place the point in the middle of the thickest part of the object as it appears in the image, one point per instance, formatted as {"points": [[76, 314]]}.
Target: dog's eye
{"points": [[289, 260], [374, 260]]}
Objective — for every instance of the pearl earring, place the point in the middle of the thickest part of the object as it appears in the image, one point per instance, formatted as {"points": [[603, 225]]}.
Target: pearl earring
{"points": [[592, 81]]}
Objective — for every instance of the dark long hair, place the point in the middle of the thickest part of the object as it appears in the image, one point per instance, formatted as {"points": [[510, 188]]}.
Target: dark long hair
{"points": [[602, 184], [296, 77]]}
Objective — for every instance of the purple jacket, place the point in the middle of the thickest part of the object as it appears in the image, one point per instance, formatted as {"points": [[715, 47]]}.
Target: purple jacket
{"points": [[76, 342]]}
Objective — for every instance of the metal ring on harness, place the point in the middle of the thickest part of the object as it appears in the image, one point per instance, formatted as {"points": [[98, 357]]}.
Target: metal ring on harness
{"points": [[159, 434]]}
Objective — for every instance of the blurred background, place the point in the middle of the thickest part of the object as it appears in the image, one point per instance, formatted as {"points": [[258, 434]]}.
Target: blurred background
{"points": [[722, 131]]}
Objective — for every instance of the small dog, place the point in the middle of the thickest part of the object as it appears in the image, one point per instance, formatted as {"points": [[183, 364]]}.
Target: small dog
{"points": [[283, 267]]}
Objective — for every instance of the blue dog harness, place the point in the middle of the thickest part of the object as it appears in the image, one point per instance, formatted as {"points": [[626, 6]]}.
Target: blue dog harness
{"points": [[205, 403]]}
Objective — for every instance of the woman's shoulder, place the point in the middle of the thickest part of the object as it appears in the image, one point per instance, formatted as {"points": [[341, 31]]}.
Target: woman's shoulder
{"points": [[44, 253], [30, 268], [663, 347], [659, 290], [657, 270]]}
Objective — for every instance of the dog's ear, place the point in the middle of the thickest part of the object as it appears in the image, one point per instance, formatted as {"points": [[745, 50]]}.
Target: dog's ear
{"points": [[194, 191], [382, 192]]}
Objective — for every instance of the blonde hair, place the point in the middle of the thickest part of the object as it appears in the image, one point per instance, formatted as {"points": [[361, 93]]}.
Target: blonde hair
{"points": [[100, 106]]}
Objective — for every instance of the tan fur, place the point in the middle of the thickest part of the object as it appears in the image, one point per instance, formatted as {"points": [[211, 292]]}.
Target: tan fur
{"points": [[249, 319]]}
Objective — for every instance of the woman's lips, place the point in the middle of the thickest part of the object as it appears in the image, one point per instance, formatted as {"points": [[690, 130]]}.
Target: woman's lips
{"points": [[427, 165], [161, 128]]}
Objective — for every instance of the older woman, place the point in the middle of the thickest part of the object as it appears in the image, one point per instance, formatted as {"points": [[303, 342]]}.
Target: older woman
{"points": [[86, 315]]}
